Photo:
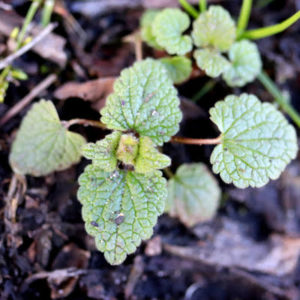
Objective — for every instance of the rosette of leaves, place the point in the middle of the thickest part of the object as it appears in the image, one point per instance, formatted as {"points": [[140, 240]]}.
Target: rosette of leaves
{"points": [[256, 144], [168, 27], [213, 32], [193, 194], [43, 144], [245, 64], [122, 191]]}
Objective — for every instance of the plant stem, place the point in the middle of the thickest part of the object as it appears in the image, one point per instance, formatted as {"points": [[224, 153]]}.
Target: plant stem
{"points": [[84, 122], [47, 12], [202, 5], [244, 17], [138, 45], [191, 141], [260, 33], [208, 86], [189, 8], [168, 172], [29, 16], [271, 87]]}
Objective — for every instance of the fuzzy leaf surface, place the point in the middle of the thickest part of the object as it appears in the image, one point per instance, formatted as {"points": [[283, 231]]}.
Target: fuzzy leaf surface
{"points": [[179, 68], [103, 153], [145, 101], [214, 28], [257, 141], [43, 144], [193, 194], [168, 27], [212, 62], [120, 208], [149, 158], [245, 64], [146, 28]]}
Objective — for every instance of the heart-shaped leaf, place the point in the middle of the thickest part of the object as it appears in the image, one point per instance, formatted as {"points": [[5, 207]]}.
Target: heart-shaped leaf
{"points": [[193, 194], [43, 144], [214, 28], [257, 141], [245, 64], [212, 62], [168, 27]]}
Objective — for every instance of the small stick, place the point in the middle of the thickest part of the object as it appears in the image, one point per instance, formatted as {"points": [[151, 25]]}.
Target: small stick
{"points": [[9, 59], [28, 98], [191, 141], [84, 122]]}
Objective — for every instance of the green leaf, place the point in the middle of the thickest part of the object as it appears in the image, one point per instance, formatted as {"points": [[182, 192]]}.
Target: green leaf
{"points": [[144, 101], [212, 62], [257, 141], [168, 27], [179, 68], [214, 28], [103, 153], [149, 158], [246, 64], [43, 144], [146, 28], [120, 208], [193, 194]]}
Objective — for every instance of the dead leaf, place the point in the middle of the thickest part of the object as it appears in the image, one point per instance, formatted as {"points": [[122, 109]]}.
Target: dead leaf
{"points": [[94, 91], [230, 247]]}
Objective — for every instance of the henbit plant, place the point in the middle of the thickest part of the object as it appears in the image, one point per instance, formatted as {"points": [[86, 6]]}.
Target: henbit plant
{"points": [[221, 46], [123, 191]]}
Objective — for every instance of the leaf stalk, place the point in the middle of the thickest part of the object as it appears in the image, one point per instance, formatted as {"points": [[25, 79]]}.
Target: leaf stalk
{"points": [[192, 141], [83, 122], [244, 17], [189, 8], [260, 33]]}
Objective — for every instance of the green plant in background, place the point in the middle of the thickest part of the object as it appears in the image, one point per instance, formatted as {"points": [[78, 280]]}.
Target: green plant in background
{"points": [[123, 191], [221, 47], [20, 38]]}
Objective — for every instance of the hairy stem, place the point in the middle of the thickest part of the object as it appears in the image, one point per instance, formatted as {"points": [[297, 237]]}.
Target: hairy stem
{"points": [[202, 5], [244, 17], [84, 122], [191, 141], [271, 87], [260, 33], [189, 8]]}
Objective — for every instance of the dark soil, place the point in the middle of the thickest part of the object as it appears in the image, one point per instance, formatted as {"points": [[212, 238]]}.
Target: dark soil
{"points": [[45, 252]]}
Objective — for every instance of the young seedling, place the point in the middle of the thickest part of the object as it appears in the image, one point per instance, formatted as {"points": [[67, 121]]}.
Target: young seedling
{"points": [[123, 191], [221, 47]]}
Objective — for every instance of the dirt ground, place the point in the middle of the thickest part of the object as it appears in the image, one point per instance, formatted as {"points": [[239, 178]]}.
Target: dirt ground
{"points": [[249, 251]]}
